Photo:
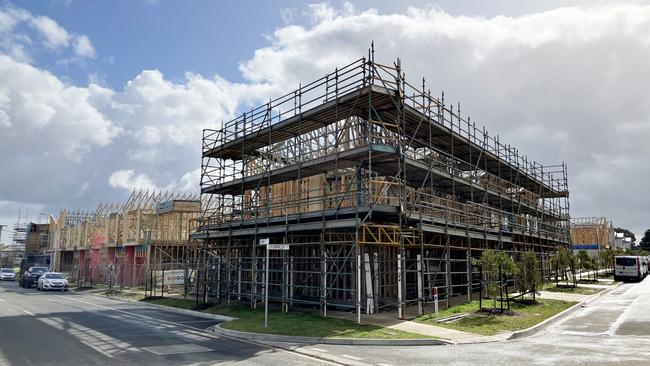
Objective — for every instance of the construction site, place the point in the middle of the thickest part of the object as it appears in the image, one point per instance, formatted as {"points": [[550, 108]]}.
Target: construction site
{"points": [[126, 243], [382, 192]]}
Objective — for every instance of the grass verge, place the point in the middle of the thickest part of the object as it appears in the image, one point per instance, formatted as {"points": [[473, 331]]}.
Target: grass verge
{"points": [[572, 290], [295, 323], [527, 316]]}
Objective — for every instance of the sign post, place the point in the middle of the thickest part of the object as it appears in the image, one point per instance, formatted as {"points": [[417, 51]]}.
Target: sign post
{"points": [[269, 247], [435, 300]]}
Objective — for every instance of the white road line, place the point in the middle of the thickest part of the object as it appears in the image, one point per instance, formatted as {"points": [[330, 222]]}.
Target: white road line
{"points": [[2, 300], [352, 357], [318, 349], [28, 313], [96, 348], [384, 364], [203, 330]]}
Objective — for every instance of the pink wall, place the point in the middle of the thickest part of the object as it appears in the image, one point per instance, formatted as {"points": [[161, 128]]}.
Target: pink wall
{"points": [[110, 255], [129, 261]]}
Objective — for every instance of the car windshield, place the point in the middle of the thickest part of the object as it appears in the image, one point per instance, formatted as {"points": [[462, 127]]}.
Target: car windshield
{"points": [[625, 261], [7, 270], [38, 270], [56, 276]]}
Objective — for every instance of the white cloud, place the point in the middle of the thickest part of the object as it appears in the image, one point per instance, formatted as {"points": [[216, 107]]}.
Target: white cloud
{"points": [[189, 182], [83, 47], [36, 107], [15, 42], [55, 36], [127, 179]]}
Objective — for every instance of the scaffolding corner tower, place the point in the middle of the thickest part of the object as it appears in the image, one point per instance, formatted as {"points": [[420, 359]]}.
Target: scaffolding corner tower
{"points": [[382, 191]]}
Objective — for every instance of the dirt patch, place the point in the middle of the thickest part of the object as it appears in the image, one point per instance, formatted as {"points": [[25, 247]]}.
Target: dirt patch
{"points": [[526, 302], [495, 312]]}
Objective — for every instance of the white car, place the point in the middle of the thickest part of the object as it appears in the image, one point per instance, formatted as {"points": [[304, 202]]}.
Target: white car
{"points": [[7, 274], [52, 281]]}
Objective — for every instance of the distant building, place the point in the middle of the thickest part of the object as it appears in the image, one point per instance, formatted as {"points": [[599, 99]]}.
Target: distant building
{"points": [[37, 242], [592, 234], [623, 242]]}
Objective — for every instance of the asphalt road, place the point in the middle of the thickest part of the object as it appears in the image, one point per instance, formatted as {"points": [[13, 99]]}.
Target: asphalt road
{"points": [[69, 328], [613, 330], [75, 329]]}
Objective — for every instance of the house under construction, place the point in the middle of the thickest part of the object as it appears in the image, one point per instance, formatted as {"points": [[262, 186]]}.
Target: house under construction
{"points": [[382, 192], [592, 233], [148, 232]]}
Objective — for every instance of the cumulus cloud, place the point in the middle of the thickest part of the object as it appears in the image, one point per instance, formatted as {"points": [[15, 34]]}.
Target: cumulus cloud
{"points": [[36, 105]]}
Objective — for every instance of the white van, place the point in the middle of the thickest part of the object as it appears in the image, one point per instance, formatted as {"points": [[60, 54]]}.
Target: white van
{"points": [[629, 267]]}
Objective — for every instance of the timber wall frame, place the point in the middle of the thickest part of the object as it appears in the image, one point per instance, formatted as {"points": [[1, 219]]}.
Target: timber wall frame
{"points": [[382, 191], [161, 238]]}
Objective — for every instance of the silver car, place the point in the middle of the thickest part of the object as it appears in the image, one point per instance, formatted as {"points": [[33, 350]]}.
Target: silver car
{"points": [[7, 274], [52, 281]]}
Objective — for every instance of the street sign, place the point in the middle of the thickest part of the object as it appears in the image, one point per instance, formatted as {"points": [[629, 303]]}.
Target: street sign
{"points": [[277, 246], [264, 241]]}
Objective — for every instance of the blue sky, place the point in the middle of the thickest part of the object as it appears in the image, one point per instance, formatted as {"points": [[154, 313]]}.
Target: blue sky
{"points": [[98, 98], [208, 37]]}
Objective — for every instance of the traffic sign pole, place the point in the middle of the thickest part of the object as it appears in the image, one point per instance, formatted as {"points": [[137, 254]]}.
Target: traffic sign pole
{"points": [[266, 242], [266, 290]]}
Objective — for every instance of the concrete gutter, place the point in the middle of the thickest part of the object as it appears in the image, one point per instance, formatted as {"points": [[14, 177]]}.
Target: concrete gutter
{"points": [[558, 317], [260, 337]]}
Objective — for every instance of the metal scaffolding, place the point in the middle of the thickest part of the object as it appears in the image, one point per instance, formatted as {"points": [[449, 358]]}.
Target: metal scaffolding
{"points": [[383, 192]]}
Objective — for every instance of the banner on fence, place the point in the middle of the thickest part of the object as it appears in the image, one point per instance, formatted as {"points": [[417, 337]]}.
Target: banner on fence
{"points": [[171, 277]]}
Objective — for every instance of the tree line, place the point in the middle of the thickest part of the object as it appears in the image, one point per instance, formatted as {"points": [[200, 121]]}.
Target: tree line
{"points": [[499, 270]]}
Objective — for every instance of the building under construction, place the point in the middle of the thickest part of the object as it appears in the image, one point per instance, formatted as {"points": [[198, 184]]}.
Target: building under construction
{"points": [[592, 233], [382, 192], [126, 241]]}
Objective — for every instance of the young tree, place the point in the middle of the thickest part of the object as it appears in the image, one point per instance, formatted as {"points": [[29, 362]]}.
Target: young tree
{"points": [[606, 258], [497, 265], [645, 241], [584, 262], [564, 258], [529, 277]]}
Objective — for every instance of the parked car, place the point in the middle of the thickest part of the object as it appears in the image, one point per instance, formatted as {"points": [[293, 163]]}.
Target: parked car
{"points": [[31, 276], [630, 267], [7, 274], [52, 281]]}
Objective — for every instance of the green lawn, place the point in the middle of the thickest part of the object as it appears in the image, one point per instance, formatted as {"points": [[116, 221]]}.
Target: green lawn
{"points": [[572, 290], [295, 323], [527, 316]]}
